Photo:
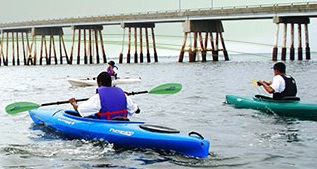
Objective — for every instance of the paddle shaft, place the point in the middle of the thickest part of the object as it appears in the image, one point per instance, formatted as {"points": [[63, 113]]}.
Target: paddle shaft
{"points": [[62, 102], [78, 100], [140, 92]]}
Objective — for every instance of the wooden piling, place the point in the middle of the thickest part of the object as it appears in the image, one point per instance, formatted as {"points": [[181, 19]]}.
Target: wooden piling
{"points": [[52, 47], [122, 45], [292, 49], [29, 53], [307, 48], [300, 48], [135, 45], [97, 46], [148, 58], [2, 59], [181, 55], [283, 54], [90, 46], [275, 49], [72, 47], [85, 49], [213, 50], [141, 46], [17, 43], [154, 45], [204, 55], [202, 47], [192, 56], [13, 48], [62, 48], [129, 45], [104, 57], [43, 45], [225, 52], [23, 49], [216, 56], [78, 46]]}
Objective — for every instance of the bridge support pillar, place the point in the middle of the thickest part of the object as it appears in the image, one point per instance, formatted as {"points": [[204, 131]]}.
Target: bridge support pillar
{"points": [[201, 30], [300, 20], [135, 27], [94, 37], [10, 37], [47, 52]]}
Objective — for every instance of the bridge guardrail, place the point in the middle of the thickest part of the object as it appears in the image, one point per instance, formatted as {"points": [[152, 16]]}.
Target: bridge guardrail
{"points": [[167, 16]]}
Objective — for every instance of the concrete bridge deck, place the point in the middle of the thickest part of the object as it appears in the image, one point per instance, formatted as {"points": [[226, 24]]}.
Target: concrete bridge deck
{"points": [[268, 11]]}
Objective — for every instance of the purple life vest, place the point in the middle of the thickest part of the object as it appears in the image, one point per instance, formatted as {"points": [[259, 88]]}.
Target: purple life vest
{"points": [[113, 103]]}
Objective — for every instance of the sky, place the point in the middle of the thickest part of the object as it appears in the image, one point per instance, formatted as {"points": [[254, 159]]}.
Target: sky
{"points": [[261, 32]]}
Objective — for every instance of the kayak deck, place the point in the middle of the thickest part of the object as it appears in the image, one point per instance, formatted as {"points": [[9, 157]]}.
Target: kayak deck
{"points": [[122, 133], [93, 82], [286, 108]]}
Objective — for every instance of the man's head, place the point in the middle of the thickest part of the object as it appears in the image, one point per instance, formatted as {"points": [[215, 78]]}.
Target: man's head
{"points": [[280, 67], [112, 63], [104, 79]]}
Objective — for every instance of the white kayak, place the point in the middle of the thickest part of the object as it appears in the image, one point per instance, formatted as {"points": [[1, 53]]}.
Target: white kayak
{"points": [[92, 81]]}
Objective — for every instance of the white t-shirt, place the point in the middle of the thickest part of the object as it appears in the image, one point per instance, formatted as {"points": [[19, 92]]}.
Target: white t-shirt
{"points": [[278, 84], [92, 106]]}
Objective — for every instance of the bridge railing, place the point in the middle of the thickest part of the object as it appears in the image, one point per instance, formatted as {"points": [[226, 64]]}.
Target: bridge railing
{"points": [[168, 16]]}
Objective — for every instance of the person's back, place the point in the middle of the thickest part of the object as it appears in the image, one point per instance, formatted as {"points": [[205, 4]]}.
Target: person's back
{"points": [[282, 85], [109, 102], [290, 88], [113, 103]]}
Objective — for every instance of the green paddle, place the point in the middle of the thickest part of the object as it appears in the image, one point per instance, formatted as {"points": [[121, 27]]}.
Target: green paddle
{"points": [[17, 107]]}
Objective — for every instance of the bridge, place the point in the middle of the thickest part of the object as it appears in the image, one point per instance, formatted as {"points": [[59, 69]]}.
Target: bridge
{"points": [[203, 24]]}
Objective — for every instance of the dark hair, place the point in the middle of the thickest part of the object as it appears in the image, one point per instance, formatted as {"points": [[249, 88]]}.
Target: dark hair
{"points": [[280, 67], [112, 63], [104, 79]]}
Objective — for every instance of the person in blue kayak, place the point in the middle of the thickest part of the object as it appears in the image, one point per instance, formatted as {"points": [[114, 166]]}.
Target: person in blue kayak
{"points": [[283, 85], [109, 102], [111, 69]]}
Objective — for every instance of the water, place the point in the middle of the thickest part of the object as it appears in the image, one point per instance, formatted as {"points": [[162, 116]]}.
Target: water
{"points": [[239, 138]]}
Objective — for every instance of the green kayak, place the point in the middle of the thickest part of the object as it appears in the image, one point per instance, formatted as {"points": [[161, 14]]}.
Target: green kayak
{"points": [[287, 108]]}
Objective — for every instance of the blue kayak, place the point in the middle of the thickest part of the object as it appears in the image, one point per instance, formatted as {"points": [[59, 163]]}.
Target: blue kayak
{"points": [[122, 133]]}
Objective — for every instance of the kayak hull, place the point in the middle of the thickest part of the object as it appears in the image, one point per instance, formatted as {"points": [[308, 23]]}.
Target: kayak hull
{"points": [[286, 108], [93, 82], [121, 133]]}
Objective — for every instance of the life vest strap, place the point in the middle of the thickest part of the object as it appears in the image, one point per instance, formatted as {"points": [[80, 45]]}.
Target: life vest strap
{"points": [[107, 115]]}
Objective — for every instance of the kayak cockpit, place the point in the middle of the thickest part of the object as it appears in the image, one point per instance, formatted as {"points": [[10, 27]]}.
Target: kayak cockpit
{"points": [[75, 115], [286, 99]]}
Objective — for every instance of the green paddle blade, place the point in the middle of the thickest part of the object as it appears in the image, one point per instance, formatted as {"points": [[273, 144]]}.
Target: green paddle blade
{"points": [[18, 107], [167, 88]]}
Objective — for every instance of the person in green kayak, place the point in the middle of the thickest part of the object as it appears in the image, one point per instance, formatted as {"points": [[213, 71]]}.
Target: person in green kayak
{"points": [[108, 103], [282, 86]]}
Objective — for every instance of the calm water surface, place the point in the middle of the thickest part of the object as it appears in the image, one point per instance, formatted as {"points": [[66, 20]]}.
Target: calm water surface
{"points": [[239, 138]]}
